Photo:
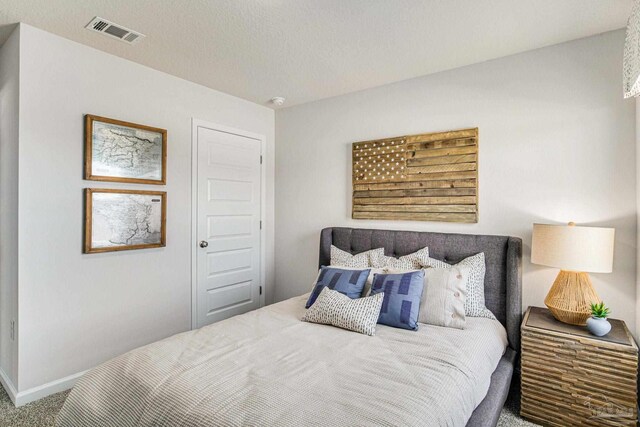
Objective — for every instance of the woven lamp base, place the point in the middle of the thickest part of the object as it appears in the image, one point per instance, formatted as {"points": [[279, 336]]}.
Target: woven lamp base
{"points": [[570, 297]]}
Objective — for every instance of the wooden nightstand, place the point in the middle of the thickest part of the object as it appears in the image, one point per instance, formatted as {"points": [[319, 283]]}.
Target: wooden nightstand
{"points": [[572, 378]]}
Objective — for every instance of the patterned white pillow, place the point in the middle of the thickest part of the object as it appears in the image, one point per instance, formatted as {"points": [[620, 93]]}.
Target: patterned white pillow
{"points": [[413, 261], [474, 303], [333, 308], [362, 260]]}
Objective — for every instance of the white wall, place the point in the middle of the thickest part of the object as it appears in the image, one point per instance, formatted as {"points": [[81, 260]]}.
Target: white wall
{"points": [[557, 143], [78, 310], [9, 113]]}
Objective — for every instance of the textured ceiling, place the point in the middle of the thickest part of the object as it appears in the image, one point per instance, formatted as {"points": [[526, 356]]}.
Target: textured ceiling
{"points": [[306, 50]]}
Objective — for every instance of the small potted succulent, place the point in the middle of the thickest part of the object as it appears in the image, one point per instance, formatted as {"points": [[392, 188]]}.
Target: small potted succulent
{"points": [[598, 324]]}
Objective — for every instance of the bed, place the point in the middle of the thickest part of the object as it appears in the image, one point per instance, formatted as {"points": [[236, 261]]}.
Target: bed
{"points": [[267, 367]]}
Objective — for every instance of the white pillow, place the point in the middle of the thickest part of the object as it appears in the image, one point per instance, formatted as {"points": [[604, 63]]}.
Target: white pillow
{"points": [[333, 308], [413, 261], [474, 303], [361, 260], [443, 297]]}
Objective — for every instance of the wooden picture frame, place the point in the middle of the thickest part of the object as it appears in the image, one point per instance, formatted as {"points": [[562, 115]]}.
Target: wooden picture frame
{"points": [[133, 163], [426, 177], [120, 216]]}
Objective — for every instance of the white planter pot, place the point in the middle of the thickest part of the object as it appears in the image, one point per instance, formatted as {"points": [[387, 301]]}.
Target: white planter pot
{"points": [[598, 326]]}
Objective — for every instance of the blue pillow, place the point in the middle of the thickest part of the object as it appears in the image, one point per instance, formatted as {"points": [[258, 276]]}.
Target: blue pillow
{"points": [[401, 304], [347, 282]]}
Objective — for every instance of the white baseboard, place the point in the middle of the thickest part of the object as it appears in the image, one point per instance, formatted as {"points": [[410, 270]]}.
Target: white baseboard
{"points": [[8, 385], [36, 393]]}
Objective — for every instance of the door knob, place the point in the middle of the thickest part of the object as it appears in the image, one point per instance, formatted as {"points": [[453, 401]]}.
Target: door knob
{"points": [[204, 244]]}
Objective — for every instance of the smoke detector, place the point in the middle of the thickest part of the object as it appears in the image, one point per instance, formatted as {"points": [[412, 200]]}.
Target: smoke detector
{"points": [[277, 100], [117, 31]]}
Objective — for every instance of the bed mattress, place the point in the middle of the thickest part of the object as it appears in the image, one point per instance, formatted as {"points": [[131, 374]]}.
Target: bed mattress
{"points": [[268, 368]]}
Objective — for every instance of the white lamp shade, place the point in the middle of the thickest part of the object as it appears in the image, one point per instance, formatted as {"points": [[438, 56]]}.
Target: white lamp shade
{"points": [[573, 248]]}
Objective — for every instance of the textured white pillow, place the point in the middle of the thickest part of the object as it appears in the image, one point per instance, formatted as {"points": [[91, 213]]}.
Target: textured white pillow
{"points": [[413, 261], [333, 308], [474, 303], [361, 260], [443, 297]]}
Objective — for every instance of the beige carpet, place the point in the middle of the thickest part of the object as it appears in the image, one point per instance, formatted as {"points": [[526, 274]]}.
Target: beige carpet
{"points": [[37, 414], [42, 413]]}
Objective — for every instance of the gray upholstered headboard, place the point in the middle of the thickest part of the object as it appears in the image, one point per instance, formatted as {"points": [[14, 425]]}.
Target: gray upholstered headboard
{"points": [[503, 255]]}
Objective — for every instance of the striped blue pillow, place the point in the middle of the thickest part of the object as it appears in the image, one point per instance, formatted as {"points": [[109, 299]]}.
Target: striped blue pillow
{"points": [[401, 304], [347, 282]]}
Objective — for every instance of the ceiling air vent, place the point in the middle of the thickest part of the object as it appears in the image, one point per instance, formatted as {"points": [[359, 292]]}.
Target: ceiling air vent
{"points": [[116, 31]]}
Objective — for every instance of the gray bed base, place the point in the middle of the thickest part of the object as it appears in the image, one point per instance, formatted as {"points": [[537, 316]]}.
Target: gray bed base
{"points": [[503, 286]]}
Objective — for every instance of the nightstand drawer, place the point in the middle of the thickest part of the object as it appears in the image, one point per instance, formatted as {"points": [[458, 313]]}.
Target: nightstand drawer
{"points": [[577, 380]]}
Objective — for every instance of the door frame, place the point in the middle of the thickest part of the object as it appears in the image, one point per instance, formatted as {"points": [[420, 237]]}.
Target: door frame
{"points": [[195, 124]]}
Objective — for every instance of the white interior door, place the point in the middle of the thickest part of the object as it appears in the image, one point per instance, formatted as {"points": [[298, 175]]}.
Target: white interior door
{"points": [[228, 260]]}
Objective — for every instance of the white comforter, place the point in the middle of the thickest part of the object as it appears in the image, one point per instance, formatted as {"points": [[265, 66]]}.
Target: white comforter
{"points": [[268, 368]]}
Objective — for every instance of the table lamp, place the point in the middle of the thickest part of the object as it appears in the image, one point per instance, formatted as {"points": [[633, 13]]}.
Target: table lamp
{"points": [[576, 251]]}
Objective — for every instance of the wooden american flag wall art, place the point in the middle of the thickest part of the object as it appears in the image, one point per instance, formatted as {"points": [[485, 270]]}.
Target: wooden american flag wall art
{"points": [[427, 177]]}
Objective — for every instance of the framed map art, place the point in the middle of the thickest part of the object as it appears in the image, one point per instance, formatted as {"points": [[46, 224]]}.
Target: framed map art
{"points": [[117, 220], [118, 151]]}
